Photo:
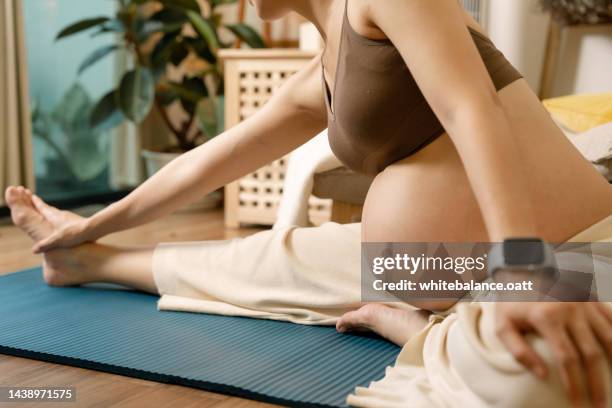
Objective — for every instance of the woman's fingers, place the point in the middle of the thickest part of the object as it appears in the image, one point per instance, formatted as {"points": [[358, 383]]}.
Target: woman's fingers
{"points": [[568, 359], [593, 357], [606, 310], [46, 244], [513, 339], [602, 327]]}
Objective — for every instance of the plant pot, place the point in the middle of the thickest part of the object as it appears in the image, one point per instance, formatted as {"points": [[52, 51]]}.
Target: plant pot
{"points": [[154, 161]]}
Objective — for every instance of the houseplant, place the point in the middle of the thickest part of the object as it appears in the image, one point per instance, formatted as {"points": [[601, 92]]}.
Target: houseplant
{"points": [[579, 11], [174, 45], [79, 160]]}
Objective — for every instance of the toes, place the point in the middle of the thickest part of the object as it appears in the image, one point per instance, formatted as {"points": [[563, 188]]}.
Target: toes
{"points": [[342, 325], [15, 196], [45, 209], [363, 319], [25, 215], [15, 200], [352, 321], [21, 192], [11, 195], [26, 199]]}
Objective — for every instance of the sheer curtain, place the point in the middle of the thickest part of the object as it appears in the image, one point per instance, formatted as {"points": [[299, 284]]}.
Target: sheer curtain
{"points": [[15, 133]]}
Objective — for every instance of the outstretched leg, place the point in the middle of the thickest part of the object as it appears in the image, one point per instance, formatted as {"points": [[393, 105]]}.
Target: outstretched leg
{"points": [[288, 252], [95, 263], [88, 263]]}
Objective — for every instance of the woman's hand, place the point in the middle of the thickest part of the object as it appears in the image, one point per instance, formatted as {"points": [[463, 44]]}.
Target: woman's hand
{"points": [[579, 335], [69, 229]]}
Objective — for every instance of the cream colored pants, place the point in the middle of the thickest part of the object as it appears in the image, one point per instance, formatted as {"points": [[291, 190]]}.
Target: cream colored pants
{"points": [[302, 275], [312, 276]]}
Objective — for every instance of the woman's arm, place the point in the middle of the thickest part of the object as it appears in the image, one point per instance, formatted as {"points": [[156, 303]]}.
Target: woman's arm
{"points": [[292, 117], [437, 47]]}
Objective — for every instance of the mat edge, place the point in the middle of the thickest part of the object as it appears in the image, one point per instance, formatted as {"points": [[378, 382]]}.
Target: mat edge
{"points": [[159, 378]]}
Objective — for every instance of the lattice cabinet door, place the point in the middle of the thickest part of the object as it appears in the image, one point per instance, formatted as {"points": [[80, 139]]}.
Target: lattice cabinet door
{"points": [[251, 78]]}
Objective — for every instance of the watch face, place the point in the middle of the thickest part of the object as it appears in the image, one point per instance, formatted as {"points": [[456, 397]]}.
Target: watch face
{"points": [[527, 251]]}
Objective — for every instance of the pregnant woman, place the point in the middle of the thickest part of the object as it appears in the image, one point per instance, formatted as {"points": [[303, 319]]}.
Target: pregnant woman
{"points": [[413, 92]]}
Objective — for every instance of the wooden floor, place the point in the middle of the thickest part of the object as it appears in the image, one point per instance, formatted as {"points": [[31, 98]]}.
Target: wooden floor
{"points": [[97, 389]]}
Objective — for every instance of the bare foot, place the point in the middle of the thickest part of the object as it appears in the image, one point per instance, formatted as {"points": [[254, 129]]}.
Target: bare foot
{"points": [[67, 267], [24, 214], [396, 325], [62, 267]]}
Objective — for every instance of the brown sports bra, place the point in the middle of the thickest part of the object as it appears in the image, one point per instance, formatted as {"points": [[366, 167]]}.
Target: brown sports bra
{"points": [[376, 113]]}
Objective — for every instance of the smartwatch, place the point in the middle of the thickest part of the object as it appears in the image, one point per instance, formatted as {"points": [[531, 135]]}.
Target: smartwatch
{"points": [[523, 254]]}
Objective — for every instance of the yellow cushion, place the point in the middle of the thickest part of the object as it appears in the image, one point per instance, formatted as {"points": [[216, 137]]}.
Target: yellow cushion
{"points": [[580, 113]]}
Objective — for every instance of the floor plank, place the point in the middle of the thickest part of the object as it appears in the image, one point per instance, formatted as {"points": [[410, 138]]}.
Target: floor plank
{"points": [[97, 389]]}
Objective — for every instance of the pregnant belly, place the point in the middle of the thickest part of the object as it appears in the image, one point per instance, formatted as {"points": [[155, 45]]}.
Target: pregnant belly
{"points": [[426, 197], [423, 198]]}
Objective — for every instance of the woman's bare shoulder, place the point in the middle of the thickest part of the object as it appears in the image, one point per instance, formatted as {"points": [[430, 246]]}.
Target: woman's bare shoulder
{"points": [[304, 90]]}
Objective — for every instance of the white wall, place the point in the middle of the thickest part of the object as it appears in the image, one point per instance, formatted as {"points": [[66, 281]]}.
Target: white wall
{"points": [[520, 29], [585, 63]]}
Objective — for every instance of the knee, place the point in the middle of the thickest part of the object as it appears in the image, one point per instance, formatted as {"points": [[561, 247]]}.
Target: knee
{"points": [[492, 373]]}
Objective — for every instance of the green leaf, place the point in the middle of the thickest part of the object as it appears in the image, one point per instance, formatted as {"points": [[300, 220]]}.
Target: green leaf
{"points": [[196, 85], [205, 29], [136, 94], [161, 52], [178, 53], [149, 27], [87, 156], [216, 19], [188, 106], [153, 26], [96, 56], [106, 114], [112, 26], [124, 16], [247, 34], [221, 2], [71, 111], [166, 96], [81, 26], [206, 114], [191, 5], [201, 49], [170, 16], [192, 89]]}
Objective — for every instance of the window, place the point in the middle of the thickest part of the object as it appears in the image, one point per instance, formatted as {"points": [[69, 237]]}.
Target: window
{"points": [[72, 161]]}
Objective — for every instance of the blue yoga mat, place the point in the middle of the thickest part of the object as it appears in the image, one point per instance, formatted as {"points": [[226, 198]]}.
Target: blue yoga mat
{"points": [[121, 332]]}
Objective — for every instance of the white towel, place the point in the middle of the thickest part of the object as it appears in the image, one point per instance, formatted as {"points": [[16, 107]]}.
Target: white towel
{"points": [[596, 146], [311, 158]]}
